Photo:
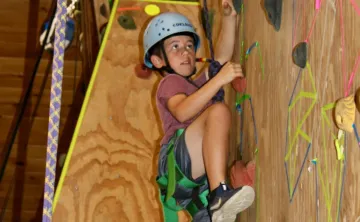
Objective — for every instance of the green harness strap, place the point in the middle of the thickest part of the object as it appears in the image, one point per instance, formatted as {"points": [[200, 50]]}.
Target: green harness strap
{"points": [[169, 181]]}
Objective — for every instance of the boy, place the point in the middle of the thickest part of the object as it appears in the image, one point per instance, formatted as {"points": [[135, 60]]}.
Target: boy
{"points": [[201, 151]]}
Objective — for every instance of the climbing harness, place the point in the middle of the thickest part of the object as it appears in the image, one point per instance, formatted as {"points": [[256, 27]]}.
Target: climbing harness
{"points": [[69, 30], [175, 180]]}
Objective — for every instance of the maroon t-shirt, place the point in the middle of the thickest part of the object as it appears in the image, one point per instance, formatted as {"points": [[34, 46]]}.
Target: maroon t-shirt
{"points": [[169, 86]]}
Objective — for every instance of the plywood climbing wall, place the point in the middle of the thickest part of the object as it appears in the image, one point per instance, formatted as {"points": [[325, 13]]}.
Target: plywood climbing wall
{"points": [[294, 113], [110, 171]]}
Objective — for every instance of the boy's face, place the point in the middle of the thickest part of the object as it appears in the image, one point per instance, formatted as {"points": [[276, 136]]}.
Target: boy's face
{"points": [[180, 52]]}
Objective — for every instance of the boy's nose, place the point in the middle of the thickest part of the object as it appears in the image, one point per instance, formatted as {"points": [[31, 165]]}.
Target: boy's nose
{"points": [[184, 51]]}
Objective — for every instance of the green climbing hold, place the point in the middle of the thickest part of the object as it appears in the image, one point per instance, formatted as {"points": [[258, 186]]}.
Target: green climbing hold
{"points": [[111, 2], [211, 15], [127, 22], [300, 54], [241, 99], [237, 5]]}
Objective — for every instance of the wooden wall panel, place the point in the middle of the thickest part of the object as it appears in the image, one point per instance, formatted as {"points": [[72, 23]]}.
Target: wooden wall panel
{"points": [[271, 96]]}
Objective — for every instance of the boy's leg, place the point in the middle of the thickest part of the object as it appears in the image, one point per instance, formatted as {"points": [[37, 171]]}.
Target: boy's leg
{"points": [[207, 143]]}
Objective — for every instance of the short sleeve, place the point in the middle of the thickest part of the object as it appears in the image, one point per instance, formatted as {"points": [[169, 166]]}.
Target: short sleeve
{"points": [[170, 86], [201, 79]]}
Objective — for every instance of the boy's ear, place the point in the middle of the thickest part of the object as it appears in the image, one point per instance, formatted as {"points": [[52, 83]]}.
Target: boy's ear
{"points": [[157, 61]]}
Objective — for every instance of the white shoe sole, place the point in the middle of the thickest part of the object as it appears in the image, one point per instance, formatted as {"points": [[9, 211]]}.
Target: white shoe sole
{"points": [[237, 203]]}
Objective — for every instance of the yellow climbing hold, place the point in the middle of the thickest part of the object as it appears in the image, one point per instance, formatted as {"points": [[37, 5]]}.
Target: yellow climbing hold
{"points": [[152, 10]]}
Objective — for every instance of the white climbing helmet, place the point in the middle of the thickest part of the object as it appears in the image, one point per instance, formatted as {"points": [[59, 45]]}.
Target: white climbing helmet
{"points": [[164, 25]]}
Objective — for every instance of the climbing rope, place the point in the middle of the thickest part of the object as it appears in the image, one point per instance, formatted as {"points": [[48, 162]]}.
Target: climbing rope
{"points": [[215, 66], [55, 107]]}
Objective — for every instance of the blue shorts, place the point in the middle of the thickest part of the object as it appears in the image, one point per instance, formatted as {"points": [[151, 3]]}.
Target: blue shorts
{"points": [[183, 160]]}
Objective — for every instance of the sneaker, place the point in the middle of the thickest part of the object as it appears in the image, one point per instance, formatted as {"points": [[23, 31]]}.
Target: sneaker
{"points": [[226, 203]]}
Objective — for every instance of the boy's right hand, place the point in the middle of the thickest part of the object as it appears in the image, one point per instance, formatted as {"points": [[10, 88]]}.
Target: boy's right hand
{"points": [[229, 72]]}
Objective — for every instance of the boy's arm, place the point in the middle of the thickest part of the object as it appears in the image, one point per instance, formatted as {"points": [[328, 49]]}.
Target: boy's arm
{"points": [[225, 46], [184, 107]]}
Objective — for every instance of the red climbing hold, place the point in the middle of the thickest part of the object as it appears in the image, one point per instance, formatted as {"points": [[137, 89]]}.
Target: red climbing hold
{"points": [[239, 84], [142, 71], [241, 174]]}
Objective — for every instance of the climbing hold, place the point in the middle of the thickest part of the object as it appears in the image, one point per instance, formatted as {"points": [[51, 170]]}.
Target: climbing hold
{"points": [[111, 3], [127, 22], [128, 9], [103, 10], [152, 10], [211, 15], [345, 113], [142, 71], [251, 47], [339, 145], [314, 161], [255, 44], [241, 174], [237, 5], [239, 84], [273, 9], [300, 54]]}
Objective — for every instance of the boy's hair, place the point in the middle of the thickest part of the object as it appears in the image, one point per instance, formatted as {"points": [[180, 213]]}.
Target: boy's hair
{"points": [[156, 49]]}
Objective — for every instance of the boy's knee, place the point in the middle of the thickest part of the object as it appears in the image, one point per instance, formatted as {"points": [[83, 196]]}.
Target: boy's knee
{"points": [[219, 110]]}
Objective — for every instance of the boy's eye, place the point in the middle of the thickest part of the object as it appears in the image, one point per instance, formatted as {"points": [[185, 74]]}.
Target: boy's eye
{"points": [[190, 46], [175, 46]]}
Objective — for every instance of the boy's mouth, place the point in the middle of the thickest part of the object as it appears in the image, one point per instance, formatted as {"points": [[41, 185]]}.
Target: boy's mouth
{"points": [[186, 63]]}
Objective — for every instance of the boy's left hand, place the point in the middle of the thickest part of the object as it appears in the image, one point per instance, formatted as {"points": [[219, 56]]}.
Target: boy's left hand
{"points": [[228, 8]]}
